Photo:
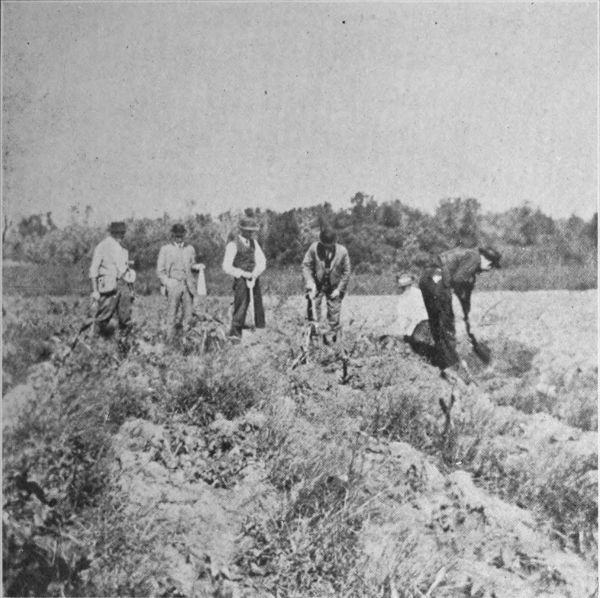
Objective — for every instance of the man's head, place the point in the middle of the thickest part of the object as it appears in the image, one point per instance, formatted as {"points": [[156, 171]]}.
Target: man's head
{"points": [[490, 258], [248, 228], [404, 281], [117, 230], [328, 238], [178, 232]]}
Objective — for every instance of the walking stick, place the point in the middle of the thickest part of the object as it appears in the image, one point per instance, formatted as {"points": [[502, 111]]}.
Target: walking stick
{"points": [[250, 284]]}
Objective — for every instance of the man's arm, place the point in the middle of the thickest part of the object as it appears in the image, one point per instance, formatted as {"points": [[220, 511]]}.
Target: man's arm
{"points": [[345, 273], [161, 266], [463, 292], [308, 270], [467, 268], [228, 267], [94, 271], [260, 261]]}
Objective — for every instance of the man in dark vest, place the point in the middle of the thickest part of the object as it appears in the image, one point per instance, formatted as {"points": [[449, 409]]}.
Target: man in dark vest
{"points": [[454, 271], [245, 261], [326, 272]]}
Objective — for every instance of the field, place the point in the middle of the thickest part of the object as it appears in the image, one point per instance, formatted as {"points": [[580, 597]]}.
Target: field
{"points": [[209, 469]]}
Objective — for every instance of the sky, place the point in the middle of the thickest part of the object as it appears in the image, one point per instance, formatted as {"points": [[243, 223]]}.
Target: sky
{"points": [[137, 109]]}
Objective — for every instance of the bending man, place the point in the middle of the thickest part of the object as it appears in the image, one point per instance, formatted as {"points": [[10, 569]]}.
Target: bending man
{"points": [[326, 272], [456, 271]]}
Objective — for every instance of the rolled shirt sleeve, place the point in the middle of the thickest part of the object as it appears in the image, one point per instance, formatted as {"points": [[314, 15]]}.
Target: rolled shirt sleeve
{"points": [[308, 269], [96, 261], [161, 266], [228, 267]]}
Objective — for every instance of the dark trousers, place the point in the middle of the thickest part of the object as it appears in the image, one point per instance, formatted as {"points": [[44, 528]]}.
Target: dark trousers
{"points": [[438, 303], [241, 301], [117, 302]]}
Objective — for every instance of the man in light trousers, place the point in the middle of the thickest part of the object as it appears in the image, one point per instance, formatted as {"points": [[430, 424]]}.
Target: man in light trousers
{"points": [[174, 269], [326, 272]]}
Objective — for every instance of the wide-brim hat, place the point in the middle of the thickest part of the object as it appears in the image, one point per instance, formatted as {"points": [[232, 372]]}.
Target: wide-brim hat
{"points": [[178, 230], [492, 255], [117, 228], [248, 224], [404, 279]]}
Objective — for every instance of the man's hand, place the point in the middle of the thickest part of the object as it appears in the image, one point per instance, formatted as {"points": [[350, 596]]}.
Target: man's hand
{"points": [[335, 294], [95, 296], [311, 293], [247, 275]]}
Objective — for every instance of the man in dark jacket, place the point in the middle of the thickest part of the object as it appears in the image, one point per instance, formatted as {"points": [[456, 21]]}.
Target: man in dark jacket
{"points": [[455, 271], [326, 272]]}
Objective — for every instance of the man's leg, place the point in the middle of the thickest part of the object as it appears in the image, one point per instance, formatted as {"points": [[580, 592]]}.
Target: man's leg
{"points": [[187, 301], [240, 306], [124, 309], [107, 304], [174, 297], [334, 311], [259, 311], [438, 303], [447, 330]]}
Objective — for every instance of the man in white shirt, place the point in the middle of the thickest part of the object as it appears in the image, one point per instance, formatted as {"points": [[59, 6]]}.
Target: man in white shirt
{"points": [[245, 261], [109, 271], [174, 269]]}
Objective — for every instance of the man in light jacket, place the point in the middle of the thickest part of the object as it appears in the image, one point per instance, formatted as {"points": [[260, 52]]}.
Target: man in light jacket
{"points": [[326, 272], [111, 281], [174, 269], [245, 261]]}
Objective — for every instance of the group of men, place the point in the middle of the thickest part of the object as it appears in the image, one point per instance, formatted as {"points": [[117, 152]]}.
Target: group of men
{"points": [[326, 273]]}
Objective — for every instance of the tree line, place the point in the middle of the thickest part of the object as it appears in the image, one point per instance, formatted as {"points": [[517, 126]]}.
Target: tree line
{"points": [[379, 236]]}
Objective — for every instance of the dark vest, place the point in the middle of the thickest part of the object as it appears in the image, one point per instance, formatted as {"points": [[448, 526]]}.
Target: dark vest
{"points": [[244, 257]]}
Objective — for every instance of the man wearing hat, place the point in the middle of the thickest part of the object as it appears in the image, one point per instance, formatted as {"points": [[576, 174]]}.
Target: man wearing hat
{"points": [[109, 274], [245, 261], [454, 271], [174, 269], [326, 272]]}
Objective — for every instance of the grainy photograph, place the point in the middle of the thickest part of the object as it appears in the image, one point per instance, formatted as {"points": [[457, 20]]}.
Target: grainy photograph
{"points": [[299, 299]]}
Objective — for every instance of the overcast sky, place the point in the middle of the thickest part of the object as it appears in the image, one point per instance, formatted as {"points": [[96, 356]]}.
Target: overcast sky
{"points": [[142, 108]]}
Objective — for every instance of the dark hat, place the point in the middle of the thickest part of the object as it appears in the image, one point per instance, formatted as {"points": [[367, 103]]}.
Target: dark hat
{"points": [[178, 230], [328, 236], [248, 224], [492, 255], [117, 228]]}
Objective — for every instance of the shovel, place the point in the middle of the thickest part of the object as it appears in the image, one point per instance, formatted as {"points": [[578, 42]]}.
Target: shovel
{"points": [[480, 349], [251, 315]]}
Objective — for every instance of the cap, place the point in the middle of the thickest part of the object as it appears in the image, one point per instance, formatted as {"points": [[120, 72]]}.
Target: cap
{"points": [[492, 255], [405, 279]]}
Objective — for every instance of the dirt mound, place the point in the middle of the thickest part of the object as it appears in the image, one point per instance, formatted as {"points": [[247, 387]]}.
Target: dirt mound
{"points": [[200, 523]]}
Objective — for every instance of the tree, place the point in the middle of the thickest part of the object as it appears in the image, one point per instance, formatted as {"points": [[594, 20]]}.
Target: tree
{"points": [[283, 242]]}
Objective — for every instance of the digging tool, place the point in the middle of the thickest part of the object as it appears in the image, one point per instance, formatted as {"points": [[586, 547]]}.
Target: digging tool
{"points": [[252, 315], [480, 349], [201, 282]]}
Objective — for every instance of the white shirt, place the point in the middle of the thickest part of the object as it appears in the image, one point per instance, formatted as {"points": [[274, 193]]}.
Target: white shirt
{"points": [[411, 311], [260, 262], [110, 259]]}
